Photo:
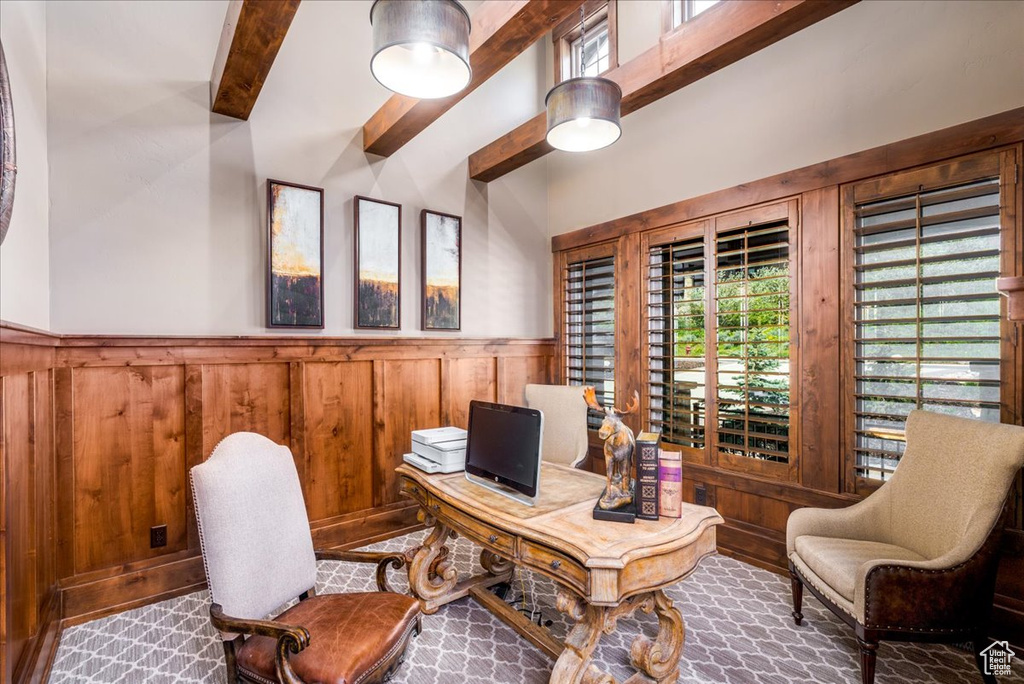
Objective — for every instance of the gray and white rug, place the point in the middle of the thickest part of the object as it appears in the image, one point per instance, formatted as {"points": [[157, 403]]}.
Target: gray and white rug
{"points": [[738, 629]]}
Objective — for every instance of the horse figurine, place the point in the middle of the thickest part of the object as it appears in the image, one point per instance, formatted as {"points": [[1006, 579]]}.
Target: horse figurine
{"points": [[618, 451]]}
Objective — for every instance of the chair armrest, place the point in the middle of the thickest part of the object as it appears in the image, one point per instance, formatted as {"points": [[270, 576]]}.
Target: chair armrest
{"points": [[916, 596], [383, 559], [290, 639], [859, 521]]}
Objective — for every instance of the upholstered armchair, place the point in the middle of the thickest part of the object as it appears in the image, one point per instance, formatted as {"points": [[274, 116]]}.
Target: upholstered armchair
{"points": [[917, 559], [259, 556], [565, 422]]}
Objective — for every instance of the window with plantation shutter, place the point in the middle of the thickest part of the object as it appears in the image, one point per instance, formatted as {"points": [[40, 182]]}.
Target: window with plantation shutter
{"points": [[676, 352], [589, 327], [752, 311], [926, 313]]}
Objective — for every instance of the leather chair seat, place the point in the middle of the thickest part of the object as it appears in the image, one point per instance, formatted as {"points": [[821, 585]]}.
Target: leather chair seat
{"points": [[352, 638], [836, 561]]}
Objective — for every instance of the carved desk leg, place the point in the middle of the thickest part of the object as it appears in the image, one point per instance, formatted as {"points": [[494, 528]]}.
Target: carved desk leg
{"points": [[659, 659], [431, 572], [574, 666]]}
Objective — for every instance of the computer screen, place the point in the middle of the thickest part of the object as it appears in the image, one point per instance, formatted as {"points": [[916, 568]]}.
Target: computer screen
{"points": [[503, 446]]}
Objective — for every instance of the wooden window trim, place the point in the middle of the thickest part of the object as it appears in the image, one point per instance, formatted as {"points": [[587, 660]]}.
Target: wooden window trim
{"points": [[1002, 162], [568, 30]]}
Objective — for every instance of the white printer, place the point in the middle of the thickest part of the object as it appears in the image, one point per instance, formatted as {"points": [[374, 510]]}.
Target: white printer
{"points": [[439, 450]]}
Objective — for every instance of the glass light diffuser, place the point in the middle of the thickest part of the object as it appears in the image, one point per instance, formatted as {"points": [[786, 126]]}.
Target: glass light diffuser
{"points": [[420, 47], [583, 114]]}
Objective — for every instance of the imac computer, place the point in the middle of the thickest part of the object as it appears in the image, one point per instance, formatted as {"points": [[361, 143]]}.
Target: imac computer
{"points": [[503, 449]]}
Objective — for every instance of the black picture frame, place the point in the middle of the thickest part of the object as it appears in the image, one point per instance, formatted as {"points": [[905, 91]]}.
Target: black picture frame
{"points": [[375, 305], [436, 309], [293, 300]]}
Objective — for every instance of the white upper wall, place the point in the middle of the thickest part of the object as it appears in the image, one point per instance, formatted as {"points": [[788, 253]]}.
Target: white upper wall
{"points": [[874, 73], [156, 206], [25, 254], [157, 220]]}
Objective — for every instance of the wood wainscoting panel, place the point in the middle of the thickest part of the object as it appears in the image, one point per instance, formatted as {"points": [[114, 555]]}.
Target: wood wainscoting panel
{"points": [[30, 609], [338, 437], [753, 509], [245, 397], [468, 379], [129, 463], [407, 397], [44, 479], [20, 497], [515, 373]]}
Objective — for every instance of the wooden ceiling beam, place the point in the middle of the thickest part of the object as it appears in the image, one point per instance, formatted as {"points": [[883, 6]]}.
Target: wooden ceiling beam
{"points": [[715, 39], [502, 30], [252, 35]]}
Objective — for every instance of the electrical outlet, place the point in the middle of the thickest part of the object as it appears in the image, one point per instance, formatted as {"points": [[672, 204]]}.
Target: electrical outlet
{"points": [[700, 495], [157, 536]]}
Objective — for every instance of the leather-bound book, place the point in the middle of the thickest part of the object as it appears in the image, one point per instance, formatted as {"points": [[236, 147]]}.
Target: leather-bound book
{"points": [[647, 475]]}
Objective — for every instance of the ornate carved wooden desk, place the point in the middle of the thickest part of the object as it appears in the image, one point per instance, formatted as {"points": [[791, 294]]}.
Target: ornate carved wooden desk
{"points": [[604, 570]]}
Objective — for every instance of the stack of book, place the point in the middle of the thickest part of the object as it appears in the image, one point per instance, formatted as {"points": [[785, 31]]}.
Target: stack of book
{"points": [[438, 450]]}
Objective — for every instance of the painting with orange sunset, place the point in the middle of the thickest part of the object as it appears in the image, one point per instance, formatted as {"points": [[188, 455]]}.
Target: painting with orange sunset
{"points": [[378, 263], [442, 270], [295, 283]]}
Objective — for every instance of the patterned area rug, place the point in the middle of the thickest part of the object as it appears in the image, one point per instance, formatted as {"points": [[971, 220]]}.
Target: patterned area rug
{"points": [[738, 629]]}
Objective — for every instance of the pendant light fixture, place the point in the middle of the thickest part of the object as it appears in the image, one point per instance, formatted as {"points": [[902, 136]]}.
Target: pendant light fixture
{"points": [[583, 112], [420, 47]]}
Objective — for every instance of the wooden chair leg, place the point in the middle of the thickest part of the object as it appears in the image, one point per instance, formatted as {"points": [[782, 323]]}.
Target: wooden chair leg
{"points": [[977, 645], [798, 597], [867, 661], [229, 658]]}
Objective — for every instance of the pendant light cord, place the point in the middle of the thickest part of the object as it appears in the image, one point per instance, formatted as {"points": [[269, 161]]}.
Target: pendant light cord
{"points": [[583, 43]]}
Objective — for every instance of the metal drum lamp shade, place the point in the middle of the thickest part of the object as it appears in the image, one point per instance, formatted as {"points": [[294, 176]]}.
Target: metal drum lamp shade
{"points": [[583, 114], [420, 47]]}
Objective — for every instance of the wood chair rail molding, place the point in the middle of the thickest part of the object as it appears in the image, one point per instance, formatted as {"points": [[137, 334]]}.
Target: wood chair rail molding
{"points": [[252, 35], [99, 432], [717, 38], [502, 30], [1005, 128]]}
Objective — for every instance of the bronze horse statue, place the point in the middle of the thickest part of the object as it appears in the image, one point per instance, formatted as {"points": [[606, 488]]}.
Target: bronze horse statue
{"points": [[618, 451]]}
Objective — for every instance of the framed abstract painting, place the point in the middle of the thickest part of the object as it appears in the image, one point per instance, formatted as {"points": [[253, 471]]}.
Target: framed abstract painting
{"points": [[295, 255], [441, 237], [378, 264]]}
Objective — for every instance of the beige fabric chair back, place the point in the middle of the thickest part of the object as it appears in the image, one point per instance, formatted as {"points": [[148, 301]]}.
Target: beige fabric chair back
{"points": [[253, 528], [565, 422], [951, 482]]}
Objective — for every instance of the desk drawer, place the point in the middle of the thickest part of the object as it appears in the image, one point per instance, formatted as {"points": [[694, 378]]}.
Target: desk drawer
{"points": [[412, 490], [474, 529], [555, 564]]}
